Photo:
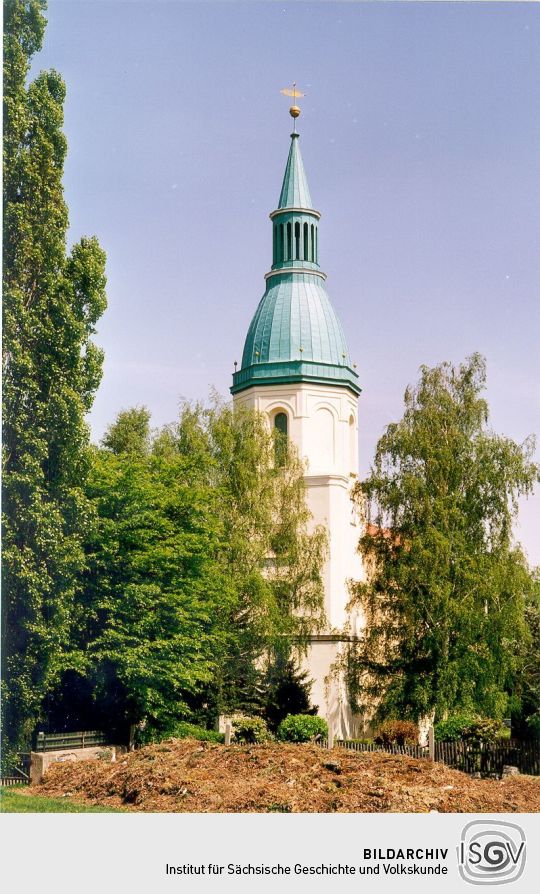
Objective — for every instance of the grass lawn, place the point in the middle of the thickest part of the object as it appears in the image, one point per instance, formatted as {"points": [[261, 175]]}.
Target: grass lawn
{"points": [[19, 800]]}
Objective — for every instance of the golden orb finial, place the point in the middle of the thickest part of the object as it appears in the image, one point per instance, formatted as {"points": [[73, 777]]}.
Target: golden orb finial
{"points": [[294, 110]]}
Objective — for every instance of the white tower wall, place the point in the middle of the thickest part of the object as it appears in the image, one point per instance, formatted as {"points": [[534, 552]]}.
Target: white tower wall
{"points": [[323, 425]]}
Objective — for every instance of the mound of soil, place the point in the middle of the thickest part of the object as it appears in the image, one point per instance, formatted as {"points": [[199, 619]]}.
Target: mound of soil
{"points": [[182, 775]]}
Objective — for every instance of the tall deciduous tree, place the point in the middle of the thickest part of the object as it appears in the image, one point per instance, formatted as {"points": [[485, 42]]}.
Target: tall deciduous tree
{"points": [[156, 593], [444, 599], [199, 565], [272, 555], [51, 370]]}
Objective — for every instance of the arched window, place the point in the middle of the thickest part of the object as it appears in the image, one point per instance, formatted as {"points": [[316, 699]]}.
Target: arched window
{"points": [[281, 425], [297, 241], [289, 241], [275, 243], [306, 243], [282, 242], [312, 242], [316, 245]]}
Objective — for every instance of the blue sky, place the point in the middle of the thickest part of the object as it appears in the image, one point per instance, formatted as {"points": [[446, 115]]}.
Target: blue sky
{"points": [[420, 133]]}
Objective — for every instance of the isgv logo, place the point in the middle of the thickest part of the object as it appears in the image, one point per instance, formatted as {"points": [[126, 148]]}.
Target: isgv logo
{"points": [[491, 852]]}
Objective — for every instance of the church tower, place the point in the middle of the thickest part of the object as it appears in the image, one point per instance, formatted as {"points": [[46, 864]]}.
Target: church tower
{"points": [[296, 369]]}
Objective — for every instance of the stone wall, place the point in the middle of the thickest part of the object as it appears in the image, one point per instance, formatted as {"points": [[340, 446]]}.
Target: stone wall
{"points": [[40, 761]]}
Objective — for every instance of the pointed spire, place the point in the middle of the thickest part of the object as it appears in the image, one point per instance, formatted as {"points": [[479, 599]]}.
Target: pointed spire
{"points": [[295, 335], [295, 189]]}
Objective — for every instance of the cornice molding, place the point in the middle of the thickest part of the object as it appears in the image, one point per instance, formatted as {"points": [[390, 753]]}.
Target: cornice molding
{"points": [[307, 270], [325, 480], [311, 211]]}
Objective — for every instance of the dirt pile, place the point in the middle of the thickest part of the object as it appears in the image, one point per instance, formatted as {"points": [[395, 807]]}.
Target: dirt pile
{"points": [[182, 775]]}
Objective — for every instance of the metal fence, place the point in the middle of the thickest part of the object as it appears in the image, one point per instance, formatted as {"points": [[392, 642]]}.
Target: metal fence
{"points": [[489, 758], [484, 758], [19, 774], [9, 781], [409, 750], [63, 741], [23, 763]]}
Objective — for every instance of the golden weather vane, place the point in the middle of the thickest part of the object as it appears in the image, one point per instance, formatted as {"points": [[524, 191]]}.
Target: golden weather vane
{"points": [[294, 110]]}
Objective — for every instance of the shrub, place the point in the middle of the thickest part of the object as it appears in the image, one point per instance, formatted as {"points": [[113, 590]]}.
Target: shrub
{"points": [[302, 728], [184, 730], [180, 730], [397, 732], [451, 730], [287, 692], [483, 730], [250, 730], [533, 725], [471, 729]]}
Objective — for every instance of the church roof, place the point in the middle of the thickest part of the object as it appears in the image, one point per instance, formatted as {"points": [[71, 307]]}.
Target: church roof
{"points": [[295, 321], [295, 190], [295, 334]]}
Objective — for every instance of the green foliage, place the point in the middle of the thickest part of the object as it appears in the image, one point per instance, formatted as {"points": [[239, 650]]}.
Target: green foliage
{"points": [[130, 433], [451, 730], [302, 728], [470, 729], [533, 724], [179, 602], [184, 730], [397, 732], [156, 592], [444, 597], [272, 562], [51, 369], [189, 730], [250, 730], [484, 729], [286, 691], [528, 717]]}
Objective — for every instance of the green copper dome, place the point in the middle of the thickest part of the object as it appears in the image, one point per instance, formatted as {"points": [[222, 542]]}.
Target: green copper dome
{"points": [[295, 335], [295, 321]]}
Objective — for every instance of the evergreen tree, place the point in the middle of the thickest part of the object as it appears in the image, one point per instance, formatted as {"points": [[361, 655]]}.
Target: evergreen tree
{"points": [[286, 690], [444, 598], [51, 370]]}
